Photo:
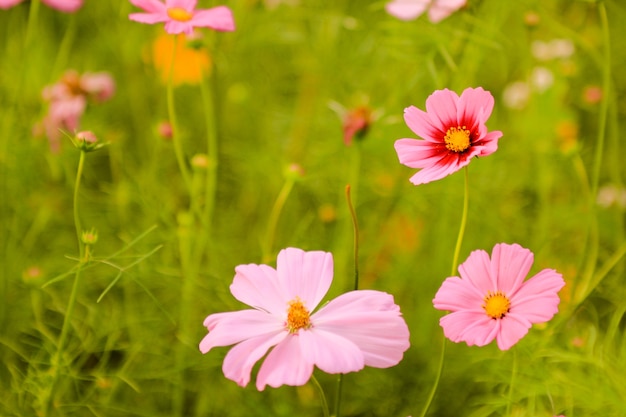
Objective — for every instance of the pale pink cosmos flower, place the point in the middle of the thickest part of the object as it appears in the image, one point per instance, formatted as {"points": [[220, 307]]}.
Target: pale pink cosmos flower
{"points": [[180, 16], [491, 300], [412, 9], [356, 329], [67, 6], [454, 131], [68, 100]]}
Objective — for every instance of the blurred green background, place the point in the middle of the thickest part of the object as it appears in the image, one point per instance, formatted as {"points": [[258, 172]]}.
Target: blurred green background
{"points": [[280, 83]]}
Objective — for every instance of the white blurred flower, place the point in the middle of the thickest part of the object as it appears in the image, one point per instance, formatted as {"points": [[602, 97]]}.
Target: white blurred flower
{"points": [[541, 79], [516, 95], [611, 195]]}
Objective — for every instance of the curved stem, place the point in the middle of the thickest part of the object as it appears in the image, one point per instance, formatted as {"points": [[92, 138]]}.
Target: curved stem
{"points": [[459, 239], [84, 258], [322, 396], [355, 225], [274, 216], [593, 237], [455, 263], [178, 149]]}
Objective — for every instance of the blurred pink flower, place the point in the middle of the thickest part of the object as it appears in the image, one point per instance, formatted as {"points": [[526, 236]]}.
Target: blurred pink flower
{"points": [[491, 300], [454, 131], [180, 16], [412, 9], [67, 6], [357, 328], [68, 100]]}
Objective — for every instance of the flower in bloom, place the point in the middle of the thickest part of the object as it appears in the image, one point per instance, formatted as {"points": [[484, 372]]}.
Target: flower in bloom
{"points": [[68, 100], [357, 328], [67, 6], [412, 9], [454, 131], [181, 16], [491, 300]]}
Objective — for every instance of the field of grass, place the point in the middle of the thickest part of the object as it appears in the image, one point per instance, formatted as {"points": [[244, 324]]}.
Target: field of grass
{"points": [[258, 163]]}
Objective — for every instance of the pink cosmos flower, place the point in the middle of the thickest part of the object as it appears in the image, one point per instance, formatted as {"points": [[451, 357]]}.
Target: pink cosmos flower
{"points": [[357, 328], [491, 300], [67, 6], [412, 9], [454, 131], [68, 100], [180, 16]]}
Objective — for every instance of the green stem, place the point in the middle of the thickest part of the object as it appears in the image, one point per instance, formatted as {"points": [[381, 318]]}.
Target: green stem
{"points": [[178, 149], [66, 43], [459, 239], [455, 263], [33, 13], [322, 396], [84, 253], [594, 240], [77, 224], [274, 216], [355, 225], [511, 383]]}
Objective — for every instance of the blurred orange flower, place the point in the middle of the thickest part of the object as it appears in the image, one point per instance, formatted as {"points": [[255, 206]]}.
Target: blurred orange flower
{"points": [[190, 66]]}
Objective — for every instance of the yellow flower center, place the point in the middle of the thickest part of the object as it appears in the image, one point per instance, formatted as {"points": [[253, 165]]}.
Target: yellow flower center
{"points": [[496, 305], [298, 316], [180, 14], [457, 139]]}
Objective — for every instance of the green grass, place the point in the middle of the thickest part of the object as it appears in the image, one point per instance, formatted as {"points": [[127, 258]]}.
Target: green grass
{"points": [[165, 256]]}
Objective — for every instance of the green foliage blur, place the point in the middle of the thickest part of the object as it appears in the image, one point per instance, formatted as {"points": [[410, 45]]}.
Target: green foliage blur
{"points": [[282, 85]]}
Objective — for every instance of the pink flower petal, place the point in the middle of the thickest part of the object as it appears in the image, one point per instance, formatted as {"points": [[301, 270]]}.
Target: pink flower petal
{"points": [[406, 9], [513, 328], [420, 123], [285, 365], [218, 18], [488, 144], [67, 6], [471, 327], [306, 275], [418, 153], [441, 9], [441, 108], [458, 294], [6, 4], [148, 18], [188, 5], [372, 321], [233, 327], [331, 352], [258, 286], [174, 27], [474, 107], [477, 270], [510, 265], [240, 360], [538, 300], [447, 165]]}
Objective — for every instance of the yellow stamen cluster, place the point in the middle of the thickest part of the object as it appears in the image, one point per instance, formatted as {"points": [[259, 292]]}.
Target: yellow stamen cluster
{"points": [[179, 14], [298, 316], [457, 139], [497, 305]]}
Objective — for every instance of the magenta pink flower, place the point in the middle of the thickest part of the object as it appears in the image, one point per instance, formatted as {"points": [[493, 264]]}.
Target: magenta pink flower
{"points": [[412, 9], [67, 6], [180, 16], [454, 131], [491, 300], [357, 328]]}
